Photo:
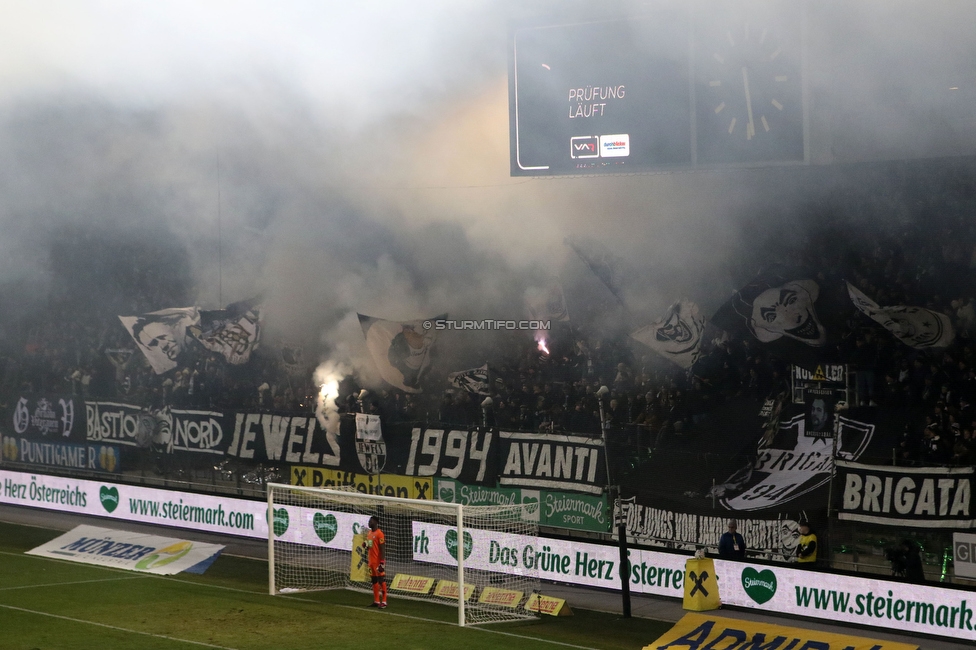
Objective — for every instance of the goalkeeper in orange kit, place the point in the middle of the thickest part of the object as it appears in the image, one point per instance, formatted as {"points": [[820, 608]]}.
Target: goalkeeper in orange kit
{"points": [[375, 544]]}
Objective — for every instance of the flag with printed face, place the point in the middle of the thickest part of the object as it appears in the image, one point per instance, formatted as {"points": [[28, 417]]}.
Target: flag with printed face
{"points": [[473, 381], [234, 332], [678, 336], [401, 350], [916, 327], [162, 335], [795, 317], [546, 303]]}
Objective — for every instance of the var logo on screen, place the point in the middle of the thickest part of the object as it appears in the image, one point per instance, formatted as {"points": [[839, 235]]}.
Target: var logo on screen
{"points": [[584, 146], [615, 146]]}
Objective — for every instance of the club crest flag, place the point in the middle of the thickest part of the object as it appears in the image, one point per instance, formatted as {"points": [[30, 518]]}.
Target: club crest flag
{"points": [[162, 335], [473, 381], [401, 350], [547, 303], [916, 327], [233, 332], [676, 337]]}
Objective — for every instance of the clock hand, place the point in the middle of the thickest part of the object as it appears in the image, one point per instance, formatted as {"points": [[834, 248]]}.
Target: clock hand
{"points": [[751, 126]]}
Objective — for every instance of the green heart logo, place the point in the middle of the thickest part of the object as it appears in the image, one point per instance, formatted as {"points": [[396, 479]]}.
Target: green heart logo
{"points": [[280, 522], [451, 541], [760, 585], [325, 526], [109, 496], [447, 494], [531, 504]]}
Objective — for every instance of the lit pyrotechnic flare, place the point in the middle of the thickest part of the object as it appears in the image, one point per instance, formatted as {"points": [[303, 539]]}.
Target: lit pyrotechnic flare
{"points": [[327, 376], [540, 339]]}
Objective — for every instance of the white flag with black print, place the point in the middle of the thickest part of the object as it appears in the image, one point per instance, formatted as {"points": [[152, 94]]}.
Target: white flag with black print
{"points": [[401, 350], [234, 332], [676, 337], [917, 327], [546, 303], [473, 381], [162, 335]]}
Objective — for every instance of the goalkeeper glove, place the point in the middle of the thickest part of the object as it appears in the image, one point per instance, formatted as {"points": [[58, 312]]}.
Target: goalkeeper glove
{"points": [[383, 567]]}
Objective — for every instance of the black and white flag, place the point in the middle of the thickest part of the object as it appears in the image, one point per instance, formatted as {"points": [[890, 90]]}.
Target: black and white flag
{"points": [[401, 350], [234, 332], [546, 303], [916, 327], [162, 335], [370, 446], [676, 337], [473, 381]]}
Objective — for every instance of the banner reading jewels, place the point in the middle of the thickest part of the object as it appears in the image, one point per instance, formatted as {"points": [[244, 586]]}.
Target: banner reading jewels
{"points": [[920, 497]]}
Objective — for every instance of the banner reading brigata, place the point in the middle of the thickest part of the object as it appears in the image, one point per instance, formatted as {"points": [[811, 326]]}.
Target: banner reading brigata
{"points": [[921, 497]]}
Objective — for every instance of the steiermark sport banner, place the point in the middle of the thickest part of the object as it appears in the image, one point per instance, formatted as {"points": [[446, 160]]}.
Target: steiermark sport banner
{"points": [[555, 509]]}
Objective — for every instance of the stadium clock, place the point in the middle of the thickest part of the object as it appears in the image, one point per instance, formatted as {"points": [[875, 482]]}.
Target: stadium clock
{"points": [[749, 92]]}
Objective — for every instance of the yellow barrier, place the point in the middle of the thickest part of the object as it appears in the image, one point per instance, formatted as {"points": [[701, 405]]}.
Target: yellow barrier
{"points": [[547, 605], [413, 584], [503, 597], [359, 565], [448, 589], [701, 586]]}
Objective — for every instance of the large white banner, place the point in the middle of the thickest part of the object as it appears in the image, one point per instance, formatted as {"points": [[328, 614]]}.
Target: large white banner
{"points": [[786, 590], [577, 563], [964, 554], [860, 600], [123, 549], [203, 512]]}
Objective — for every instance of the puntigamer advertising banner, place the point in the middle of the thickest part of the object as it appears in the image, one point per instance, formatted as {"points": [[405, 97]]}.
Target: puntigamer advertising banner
{"points": [[55, 454]]}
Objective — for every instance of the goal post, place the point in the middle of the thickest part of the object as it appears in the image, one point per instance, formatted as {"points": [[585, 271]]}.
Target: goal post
{"points": [[481, 559]]}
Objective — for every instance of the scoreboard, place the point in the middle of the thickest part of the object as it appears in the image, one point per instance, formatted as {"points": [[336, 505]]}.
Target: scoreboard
{"points": [[679, 88]]}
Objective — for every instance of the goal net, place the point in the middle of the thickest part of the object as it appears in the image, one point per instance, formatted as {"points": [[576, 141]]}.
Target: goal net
{"points": [[480, 559]]}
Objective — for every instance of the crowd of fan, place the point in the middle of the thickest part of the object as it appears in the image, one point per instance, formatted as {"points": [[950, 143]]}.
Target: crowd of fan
{"points": [[926, 263]]}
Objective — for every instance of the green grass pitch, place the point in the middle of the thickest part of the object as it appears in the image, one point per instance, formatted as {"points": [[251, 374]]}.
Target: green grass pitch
{"points": [[50, 604]]}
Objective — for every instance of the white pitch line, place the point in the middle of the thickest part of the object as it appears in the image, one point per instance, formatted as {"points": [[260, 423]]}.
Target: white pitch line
{"points": [[113, 627], [477, 629], [308, 600], [74, 582], [385, 612]]}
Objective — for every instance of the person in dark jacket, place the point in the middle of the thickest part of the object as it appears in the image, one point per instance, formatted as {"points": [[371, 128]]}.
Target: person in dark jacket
{"points": [[913, 562], [732, 546]]}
